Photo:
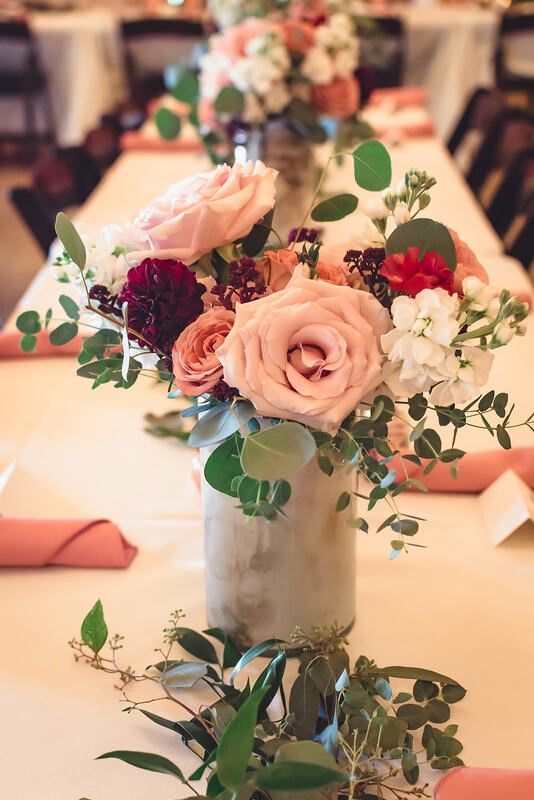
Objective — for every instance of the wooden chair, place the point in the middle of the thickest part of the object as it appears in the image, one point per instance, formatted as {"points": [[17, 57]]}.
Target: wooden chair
{"points": [[22, 78], [382, 48], [151, 45], [514, 63], [514, 192]]}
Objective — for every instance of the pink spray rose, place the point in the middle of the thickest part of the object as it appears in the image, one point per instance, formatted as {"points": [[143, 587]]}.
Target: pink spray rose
{"points": [[279, 266], [467, 264], [308, 353], [235, 39], [209, 210], [195, 366]]}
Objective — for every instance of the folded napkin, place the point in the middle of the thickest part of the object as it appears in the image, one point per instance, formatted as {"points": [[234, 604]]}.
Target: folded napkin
{"points": [[10, 346], [476, 471], [65, 542], [400, 96], [474, 783], [149, 140]]}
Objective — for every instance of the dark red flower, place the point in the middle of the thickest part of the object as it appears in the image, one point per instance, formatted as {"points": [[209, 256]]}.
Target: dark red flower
{"points": [[407, 274], [163, 297]]}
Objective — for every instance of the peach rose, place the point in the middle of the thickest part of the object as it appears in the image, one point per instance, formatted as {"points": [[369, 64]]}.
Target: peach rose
{"points": [[206, 211], [195, 366], [235, 39], [467, 264], [338, 99], [308, 353], [280, 265], [298, 36]]}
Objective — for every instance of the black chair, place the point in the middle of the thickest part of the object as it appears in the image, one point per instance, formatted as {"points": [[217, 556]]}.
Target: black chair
{"points": [[514, 68], [513, 193], [59, 181], [166, 41], [480, 108], [382, 48], [510, 132], [520, 243], [22, 77]]}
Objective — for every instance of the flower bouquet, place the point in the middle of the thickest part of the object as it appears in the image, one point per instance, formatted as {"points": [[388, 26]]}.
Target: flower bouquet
{"points": [[299, 359]]}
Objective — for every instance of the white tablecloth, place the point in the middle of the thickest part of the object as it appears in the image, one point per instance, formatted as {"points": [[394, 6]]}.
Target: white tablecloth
{"points": [[460, 606]]}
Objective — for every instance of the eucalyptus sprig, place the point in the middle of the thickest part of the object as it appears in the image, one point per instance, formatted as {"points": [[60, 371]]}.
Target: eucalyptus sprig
{"points": [[339, 730]]}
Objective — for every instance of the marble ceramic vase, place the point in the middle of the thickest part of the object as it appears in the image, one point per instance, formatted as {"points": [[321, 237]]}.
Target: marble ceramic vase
{"points": [[265, 578]]}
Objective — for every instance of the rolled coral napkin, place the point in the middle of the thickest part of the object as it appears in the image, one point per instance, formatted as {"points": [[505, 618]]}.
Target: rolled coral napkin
{"points": [[63, 542], [400, 96], [10, 346], [472, 783], [476, 471]]}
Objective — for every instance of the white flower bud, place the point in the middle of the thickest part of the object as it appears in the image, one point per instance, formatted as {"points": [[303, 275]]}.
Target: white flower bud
{"points": [[401, 214], [503, 332], [376, 208]]}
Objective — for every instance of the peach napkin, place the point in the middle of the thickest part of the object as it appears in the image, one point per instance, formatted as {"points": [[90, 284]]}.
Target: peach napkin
{"points": [[10, 346], [400, 96], [476, 471], [65, 542], [474, 783], [138, 140]]}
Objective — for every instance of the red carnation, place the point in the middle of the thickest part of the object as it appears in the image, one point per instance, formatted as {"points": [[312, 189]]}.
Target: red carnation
{"points": [[409, 275], [163, 298]]}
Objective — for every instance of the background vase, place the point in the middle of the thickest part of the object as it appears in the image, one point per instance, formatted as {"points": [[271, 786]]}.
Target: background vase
{"points": [[265, 578], [293, 156]]}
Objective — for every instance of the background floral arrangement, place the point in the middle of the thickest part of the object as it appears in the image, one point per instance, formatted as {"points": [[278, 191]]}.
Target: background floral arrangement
{"points": [[301, 352]]}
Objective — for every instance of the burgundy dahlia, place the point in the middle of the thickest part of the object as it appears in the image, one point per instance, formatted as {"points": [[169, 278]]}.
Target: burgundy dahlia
{"points": [[163, 297]]}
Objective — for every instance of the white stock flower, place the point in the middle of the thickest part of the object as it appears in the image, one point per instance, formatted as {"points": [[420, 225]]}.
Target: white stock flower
{"points": [[504, 332], [480, 296], [253, 111], [401, 213], [318, 66], [109, 270], [277, 99], [346, 62], [466, 374], [214, 68], [375, 208]]}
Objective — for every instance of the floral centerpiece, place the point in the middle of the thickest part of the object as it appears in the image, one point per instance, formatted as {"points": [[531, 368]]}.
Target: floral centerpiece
{"points": [[299, 358]]}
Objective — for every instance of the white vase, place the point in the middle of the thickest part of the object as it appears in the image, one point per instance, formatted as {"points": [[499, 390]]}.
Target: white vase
{"points": [[265, 578]]}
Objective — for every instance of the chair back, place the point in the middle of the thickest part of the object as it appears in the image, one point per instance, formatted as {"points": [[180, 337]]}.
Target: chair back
{"points": [[18, 57], [151, 45], [382, 48], [514, 60], [514, 192]]}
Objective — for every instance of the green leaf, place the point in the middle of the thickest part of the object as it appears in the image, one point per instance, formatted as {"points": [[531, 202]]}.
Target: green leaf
{"points": [[196, 644], [182, 676], [343, 501], [402, 697], [499, 404], [428, 445], [278, 451], [220, 422], [503, 437], [438, 711], [415, 673], [69, 306], [70, 239], [236, 743], [305, 704], [168, 124], [63, 333], [410, 767], [229, 101], [28, 343], [295, 776], [231, 653], [452, 693], [148, 761], [223, 465], [94, 630], [281, 493], [254, 241], [186, 90], [252, 653], [415, 716], [334, 208], [426, 234], [29, 322], [372, 166], [424, 690], [408, 527], [325, 465]]}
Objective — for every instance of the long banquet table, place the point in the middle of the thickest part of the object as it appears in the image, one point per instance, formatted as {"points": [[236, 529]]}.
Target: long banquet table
{"points": [[460, 606]]}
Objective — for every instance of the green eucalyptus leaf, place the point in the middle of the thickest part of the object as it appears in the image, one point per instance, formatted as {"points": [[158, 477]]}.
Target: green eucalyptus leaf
{"points": [[305, 704], [426, 234], [63, 333], [278, 451], [148, 761], [220, 422], [372, 166], [28, 343], [334, 208], [229, 101], [252, 653], [415, 673], [184, 675], [29, 322], [186, 90], [296, 776], [438, 711], [70, 239], [231, 653], [414, 716], [453, 692], [223, 465], [94, 631], [168, 124], [235, 746], [69, 306]]}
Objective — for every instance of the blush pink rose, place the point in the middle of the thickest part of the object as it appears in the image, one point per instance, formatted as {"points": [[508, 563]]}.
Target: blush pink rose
{"points": [[235, 39], [195, 366], [338, 99], [280, 265], [308, 353], [467, 264], [206, 211]]}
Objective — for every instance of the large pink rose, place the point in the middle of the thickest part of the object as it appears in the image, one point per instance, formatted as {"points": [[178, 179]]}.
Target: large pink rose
{"points": [[195, 366], [467, 264], [279, 266], [308, 353], [209, 210]]}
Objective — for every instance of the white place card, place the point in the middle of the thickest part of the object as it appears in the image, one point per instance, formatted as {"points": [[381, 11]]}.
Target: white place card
{"points": [[507, 507]]}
